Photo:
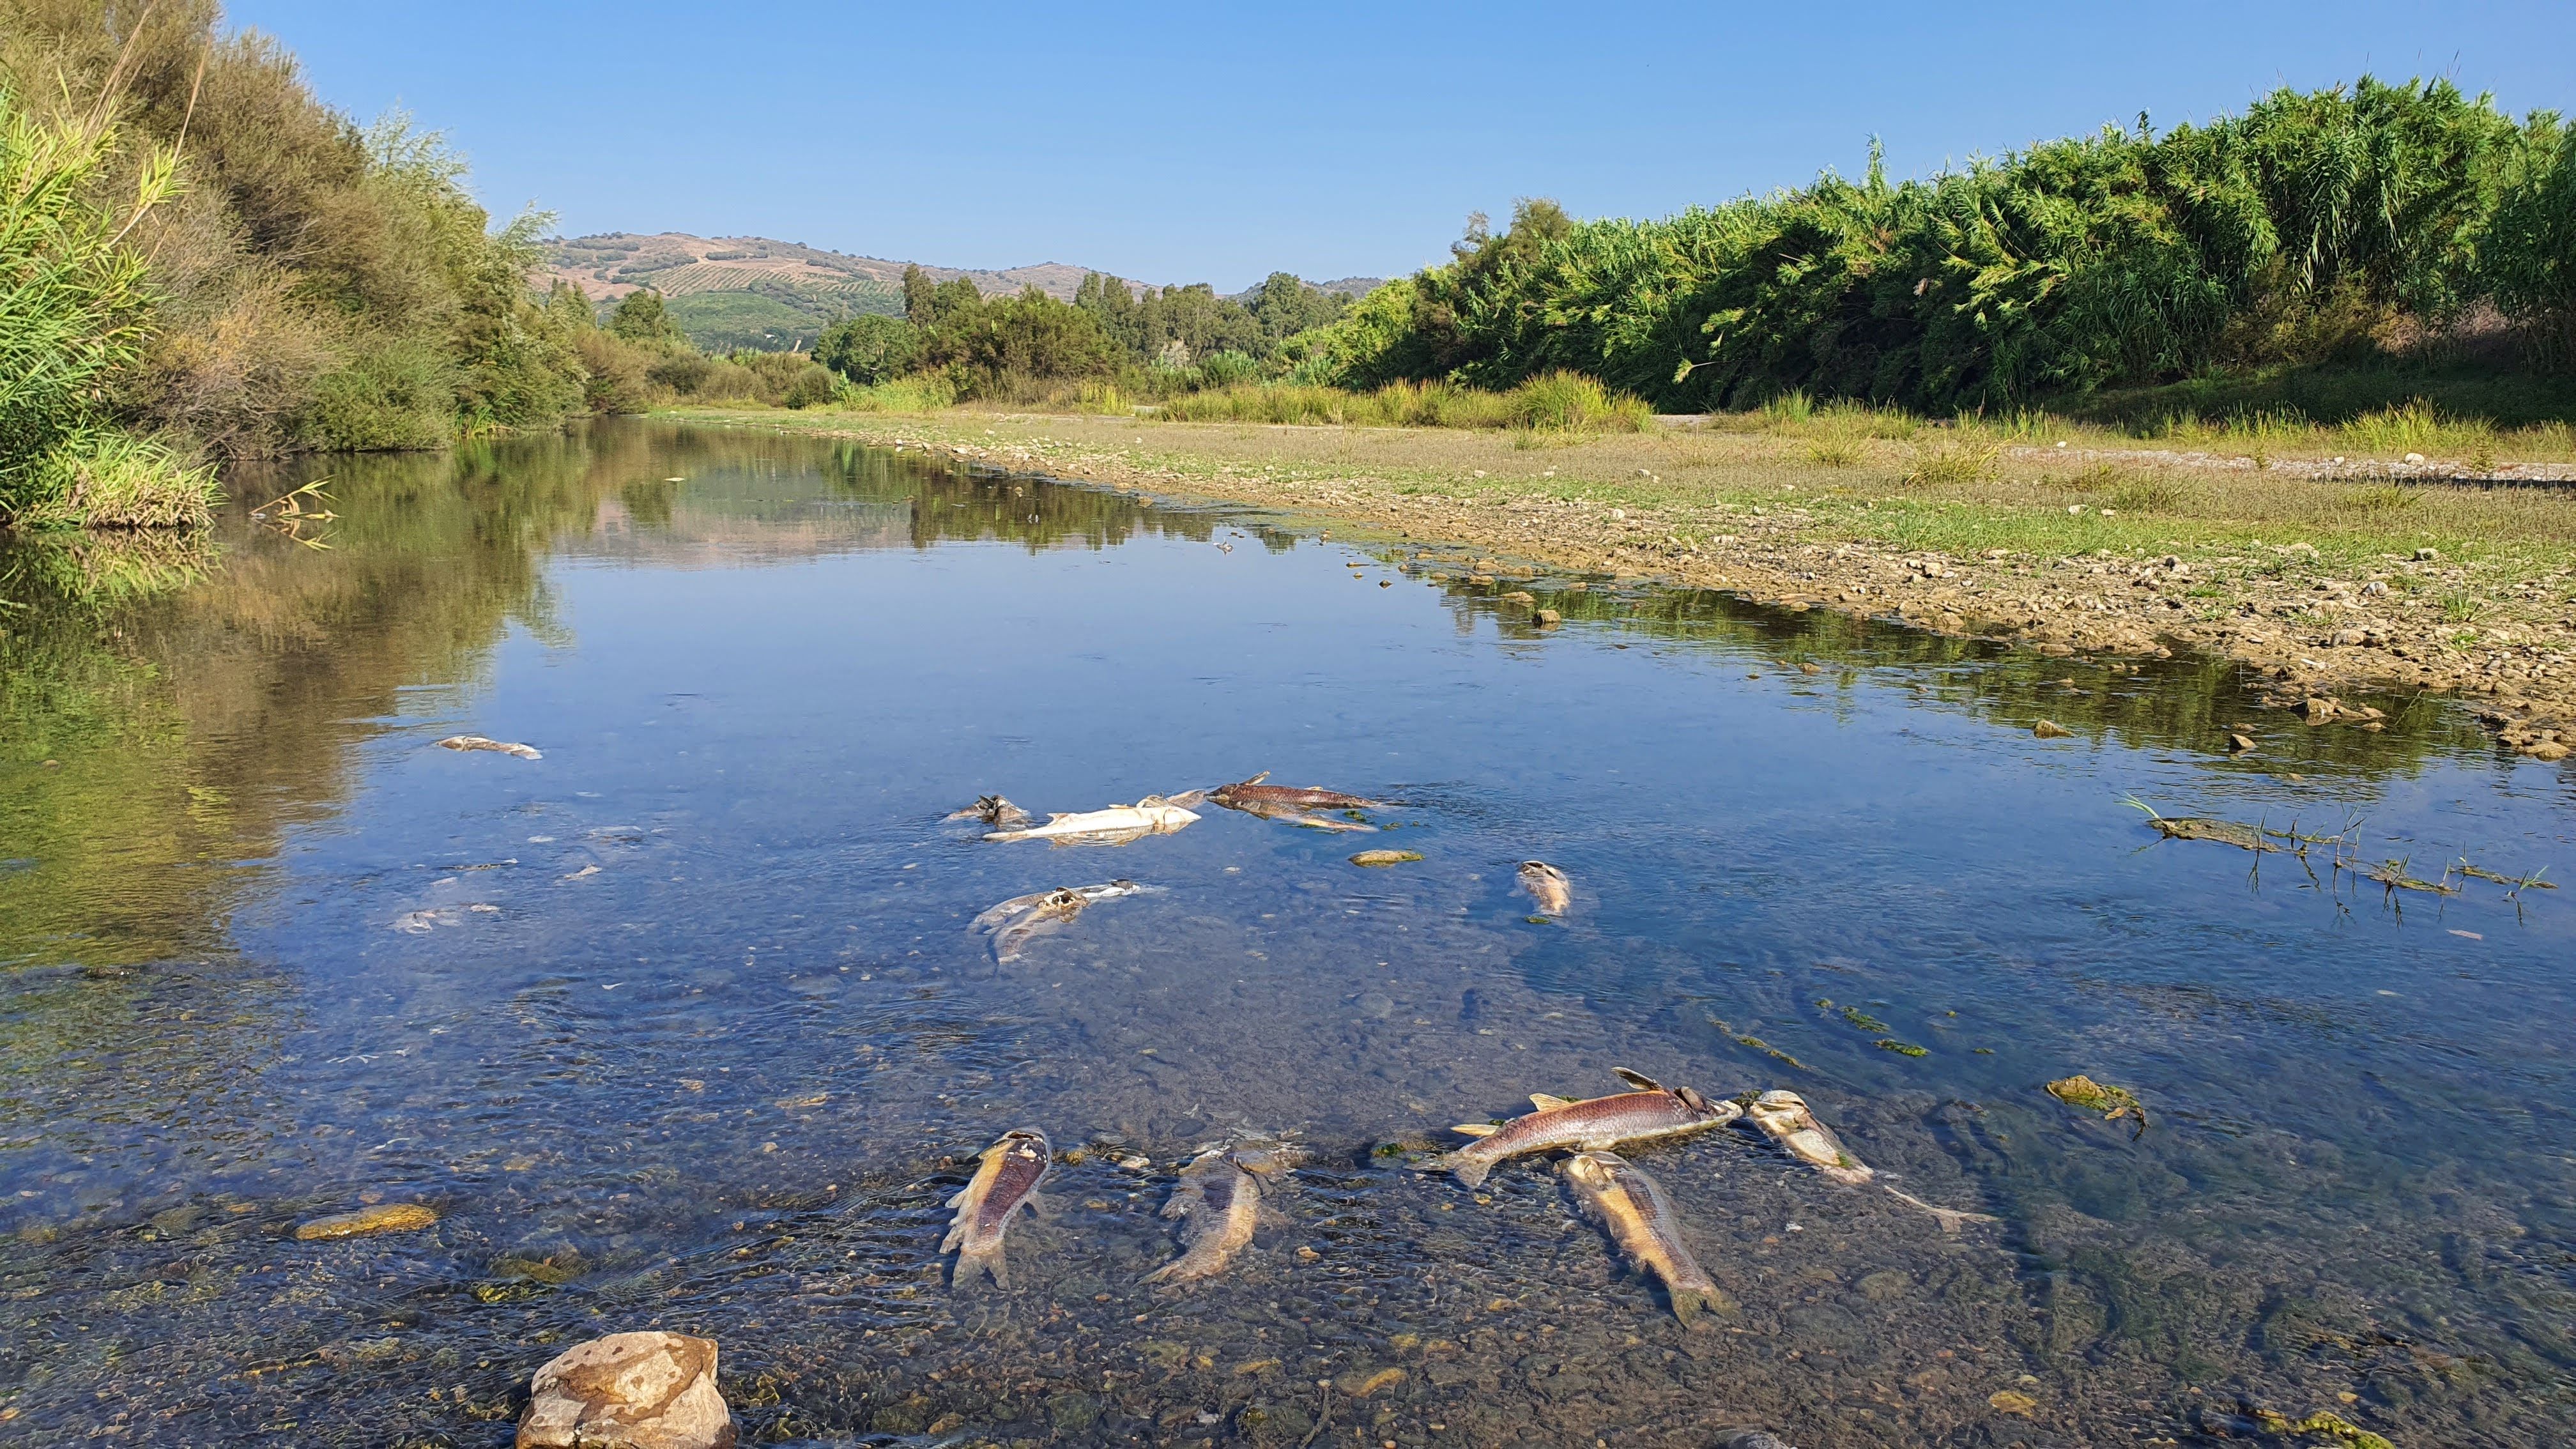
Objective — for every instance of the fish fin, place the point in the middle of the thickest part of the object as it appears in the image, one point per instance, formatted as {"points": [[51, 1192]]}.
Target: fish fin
{"points": [[1163, 1273], [1546, 1103], [1638, 1080], [956, 1235], [1039, 1206], [1476, 1129], [970, 1265], [959, 1200], [1257, 779], [1470, 1171], [1186, 798]]}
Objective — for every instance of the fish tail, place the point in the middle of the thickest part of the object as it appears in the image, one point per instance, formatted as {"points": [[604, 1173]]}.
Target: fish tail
{"points": [[972, 1262], [1470, 1171], [1690, 1302]]}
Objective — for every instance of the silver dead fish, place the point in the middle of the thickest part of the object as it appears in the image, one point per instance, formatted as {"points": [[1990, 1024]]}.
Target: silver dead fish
{"points": [[993, 810], [1548, 886], [1784, 1115], [498, 747], [1117, 825], [1653, 1110], [1632, 1208], [1014, 921], [1219, 1204], [1006, 1181]]}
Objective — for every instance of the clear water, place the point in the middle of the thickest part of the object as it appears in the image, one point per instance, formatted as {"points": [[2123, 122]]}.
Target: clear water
{"points": [[725, 1044]]}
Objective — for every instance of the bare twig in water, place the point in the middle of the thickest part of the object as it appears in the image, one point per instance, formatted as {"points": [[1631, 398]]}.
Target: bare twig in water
{"points": [[1323, 1415]]}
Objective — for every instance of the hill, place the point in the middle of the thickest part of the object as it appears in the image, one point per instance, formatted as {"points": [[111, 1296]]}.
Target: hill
{"points": [[749, 291], [729, 292]]}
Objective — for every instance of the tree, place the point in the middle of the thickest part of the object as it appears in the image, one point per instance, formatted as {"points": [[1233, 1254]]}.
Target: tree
{"points": [[916, 296], [641, 318], [869, 348]]}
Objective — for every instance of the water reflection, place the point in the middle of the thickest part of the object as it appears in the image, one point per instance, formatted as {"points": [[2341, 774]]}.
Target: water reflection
{"points": [[683, 1024]]}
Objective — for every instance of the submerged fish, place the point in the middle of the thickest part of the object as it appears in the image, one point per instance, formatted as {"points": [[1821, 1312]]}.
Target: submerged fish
{"points": [[1219, 1203], [1014, 921], [1253, 797], [1116, 825], [1006, 1181], [993, 810], [1653, 1110], [498, 747], [1633, 1209], [1554, 893], [1785, 1117]]}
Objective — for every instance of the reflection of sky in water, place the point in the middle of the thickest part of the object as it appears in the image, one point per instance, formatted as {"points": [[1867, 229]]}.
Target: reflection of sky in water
{"points": [[731, 1071]]}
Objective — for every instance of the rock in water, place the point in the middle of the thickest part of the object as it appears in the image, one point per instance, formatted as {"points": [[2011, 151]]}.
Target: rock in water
{"points": [[392, 1217], [629, 1391]]}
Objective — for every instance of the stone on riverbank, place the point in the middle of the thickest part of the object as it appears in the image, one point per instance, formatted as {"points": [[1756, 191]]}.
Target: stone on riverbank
{"points": [[629, 1391]]}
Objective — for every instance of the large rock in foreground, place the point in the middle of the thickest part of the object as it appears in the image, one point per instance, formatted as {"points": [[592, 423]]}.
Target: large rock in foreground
{"points": [[629, 1391]]}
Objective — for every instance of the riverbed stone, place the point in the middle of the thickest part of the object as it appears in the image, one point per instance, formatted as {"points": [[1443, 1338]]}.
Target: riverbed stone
{"points": [[389, 1217], [629, 1391]]}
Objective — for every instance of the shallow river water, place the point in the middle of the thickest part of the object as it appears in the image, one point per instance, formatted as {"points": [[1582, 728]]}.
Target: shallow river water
{"points": [[683, 1026]]}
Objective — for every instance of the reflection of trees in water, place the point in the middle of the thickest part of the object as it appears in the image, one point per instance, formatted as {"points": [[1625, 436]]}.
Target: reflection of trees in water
{"points": [[2188, 703]]}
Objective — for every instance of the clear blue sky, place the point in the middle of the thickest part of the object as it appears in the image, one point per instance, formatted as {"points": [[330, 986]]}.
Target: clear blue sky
{"points": [[1217, 143]]}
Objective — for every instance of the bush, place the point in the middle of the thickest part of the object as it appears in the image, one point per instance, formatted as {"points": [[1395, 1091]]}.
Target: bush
{"points": [[812, 386], [399, 394], [115, 480], [869, 349], [1570, 402]]}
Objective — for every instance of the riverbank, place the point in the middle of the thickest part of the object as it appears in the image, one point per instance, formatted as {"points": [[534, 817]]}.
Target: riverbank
{"points": [[2331, 576]]}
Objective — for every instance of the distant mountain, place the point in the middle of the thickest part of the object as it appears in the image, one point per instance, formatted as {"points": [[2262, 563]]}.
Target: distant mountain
{"points": [[749, 291]]}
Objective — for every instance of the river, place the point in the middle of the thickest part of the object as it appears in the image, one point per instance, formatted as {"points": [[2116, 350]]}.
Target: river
{"points": [[683, 1025]]}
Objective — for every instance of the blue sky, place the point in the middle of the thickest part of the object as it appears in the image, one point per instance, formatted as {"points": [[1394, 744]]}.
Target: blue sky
{"points": [[1217, 143]]}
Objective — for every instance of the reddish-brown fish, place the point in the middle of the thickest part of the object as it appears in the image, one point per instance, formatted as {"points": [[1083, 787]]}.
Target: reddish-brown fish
{"points": [[1006, 1181], [1256, 798], [1652, 1111]]}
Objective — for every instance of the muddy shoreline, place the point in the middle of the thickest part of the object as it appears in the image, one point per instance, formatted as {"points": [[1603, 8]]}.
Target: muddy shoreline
{"points": [[2315, 632]]}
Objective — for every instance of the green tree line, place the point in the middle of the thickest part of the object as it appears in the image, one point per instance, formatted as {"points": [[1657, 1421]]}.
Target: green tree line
{"points": [[2336, 224], [1161, 340]]}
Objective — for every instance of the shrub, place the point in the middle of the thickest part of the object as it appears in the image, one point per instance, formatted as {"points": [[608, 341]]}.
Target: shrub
{"points": [[397, 394], [116, 480], [812, 386], [1571, 402], [869, 349]]}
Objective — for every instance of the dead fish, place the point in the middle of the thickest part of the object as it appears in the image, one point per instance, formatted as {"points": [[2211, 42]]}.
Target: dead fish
{"points": [[1006, 1181], [1219, 1203], [501, 747], [1555, 894], [1950, 1219], [993, 810], [1652, 1111], [1255, 798], [1632, 1208], [1117, 825], [1785, 1117], [1014, 921]]}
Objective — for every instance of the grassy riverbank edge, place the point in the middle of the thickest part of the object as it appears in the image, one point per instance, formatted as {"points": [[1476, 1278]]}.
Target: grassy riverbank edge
{"points": [[2324, 583]]}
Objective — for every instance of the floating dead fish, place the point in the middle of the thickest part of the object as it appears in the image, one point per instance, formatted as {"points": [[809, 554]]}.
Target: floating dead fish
{"points": [[1014, 921], [1652, 1111], [1117, 825], [1386, 857], [1006, 1181], [1219, 1204], [1554, 893], [1632, 1208], [1785, 1117], [993, 810], [500, 747], [1255, 798]]}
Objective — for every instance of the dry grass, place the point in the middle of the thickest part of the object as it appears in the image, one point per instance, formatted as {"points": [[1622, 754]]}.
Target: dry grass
{"points": [[1960, 493]]}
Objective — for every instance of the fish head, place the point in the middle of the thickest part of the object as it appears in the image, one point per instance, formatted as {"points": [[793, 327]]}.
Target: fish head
{"points": [[1781, 1099], [1025, 1142], [1590, 1169]]}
